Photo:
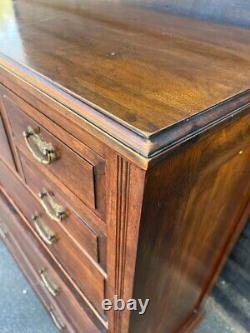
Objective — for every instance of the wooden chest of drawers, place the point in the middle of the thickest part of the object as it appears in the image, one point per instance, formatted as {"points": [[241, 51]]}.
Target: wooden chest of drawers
{"points": [[125, 158]]}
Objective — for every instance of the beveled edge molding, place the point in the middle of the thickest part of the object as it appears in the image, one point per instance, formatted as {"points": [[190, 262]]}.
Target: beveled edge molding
{"points": [[147, 146], [200, 122]]}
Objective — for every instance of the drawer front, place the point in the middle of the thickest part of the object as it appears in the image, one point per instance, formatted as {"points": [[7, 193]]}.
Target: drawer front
{"points": [[58, 209], [83, 271], [66, 313], [47, 148], [4, 145]]}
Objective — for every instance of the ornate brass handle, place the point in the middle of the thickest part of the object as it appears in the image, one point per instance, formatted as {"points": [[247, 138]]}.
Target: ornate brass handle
{"points": [[44, 232], [52, 288], [55, 211], [42, 151], [56, 321]]}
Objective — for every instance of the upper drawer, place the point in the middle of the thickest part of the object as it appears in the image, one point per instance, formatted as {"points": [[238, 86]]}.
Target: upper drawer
{"points": [[4, 145], [80, 169]]}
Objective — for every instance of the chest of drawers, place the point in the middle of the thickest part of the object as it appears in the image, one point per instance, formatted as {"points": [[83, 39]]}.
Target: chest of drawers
{"points": [[124, 163]]}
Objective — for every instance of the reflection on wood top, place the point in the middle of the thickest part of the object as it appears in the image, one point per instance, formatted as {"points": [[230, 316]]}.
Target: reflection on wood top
{"points": [[145, 69]]}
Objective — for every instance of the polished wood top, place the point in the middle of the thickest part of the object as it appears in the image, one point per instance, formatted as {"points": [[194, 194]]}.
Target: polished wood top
{"points": [[144, 69]]}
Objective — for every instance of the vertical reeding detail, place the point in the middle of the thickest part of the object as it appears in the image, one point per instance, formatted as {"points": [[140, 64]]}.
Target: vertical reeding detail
{"points": [[123, 184]]}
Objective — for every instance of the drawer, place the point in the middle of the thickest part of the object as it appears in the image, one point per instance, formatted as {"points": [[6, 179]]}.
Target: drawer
{"points": [[87, 275], [4, 145], [58, 209], [79, 169], [65, 311]]}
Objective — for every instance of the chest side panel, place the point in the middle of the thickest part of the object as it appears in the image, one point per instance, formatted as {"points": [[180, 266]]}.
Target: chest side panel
{"points": [[193, 205]]}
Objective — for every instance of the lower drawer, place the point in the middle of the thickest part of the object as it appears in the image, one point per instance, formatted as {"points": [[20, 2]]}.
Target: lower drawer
{"points": [[65, 311], [65, 250], [89, 239]]}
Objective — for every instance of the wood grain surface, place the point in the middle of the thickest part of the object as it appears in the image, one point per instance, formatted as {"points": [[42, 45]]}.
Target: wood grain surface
{"points": [[19, 241], [143, 68], [191, 216], [150, 114], [4, 145]]}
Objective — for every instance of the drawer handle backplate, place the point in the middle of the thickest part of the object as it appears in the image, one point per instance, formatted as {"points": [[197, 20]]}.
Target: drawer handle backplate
{"points": [[44, 232], [42, 151], [55, 211], [48, 283]]}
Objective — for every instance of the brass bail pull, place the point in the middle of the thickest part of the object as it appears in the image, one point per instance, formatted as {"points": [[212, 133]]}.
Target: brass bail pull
{"points": [[42, 151]]}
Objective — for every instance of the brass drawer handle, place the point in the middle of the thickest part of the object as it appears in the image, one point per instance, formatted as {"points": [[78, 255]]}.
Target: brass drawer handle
{"points": [[52, 288], [55, 211], [55, 319], [44, 232], [42, 151]]}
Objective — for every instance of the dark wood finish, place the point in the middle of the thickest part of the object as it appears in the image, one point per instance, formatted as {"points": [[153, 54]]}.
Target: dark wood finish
{"points": [[126, 184], [78, 229], [81, 182], [4, 145], [12, 146], [188, 220], [127, 77], [150, 115], [67, 281], [85, 151], [232, 290], [63, 304], [73, 37], [70, 254]]}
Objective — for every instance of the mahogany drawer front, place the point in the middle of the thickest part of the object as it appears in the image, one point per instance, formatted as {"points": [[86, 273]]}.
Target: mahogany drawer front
{"points": [[70, 167], [76, 227], [56, 296], [86, 274], [4, 145]]}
